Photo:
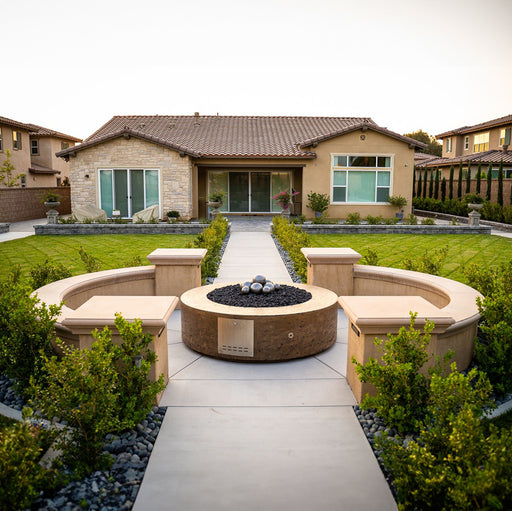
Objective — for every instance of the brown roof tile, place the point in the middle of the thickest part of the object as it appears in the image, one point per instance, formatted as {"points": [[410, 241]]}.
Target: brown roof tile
{"points": [[231, 136], [507, 119], [493, 156], [39, 131], [14, 124]]}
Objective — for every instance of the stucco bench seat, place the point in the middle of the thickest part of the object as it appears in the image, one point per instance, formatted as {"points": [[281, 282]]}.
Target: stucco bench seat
{"points": [[100, 311]]}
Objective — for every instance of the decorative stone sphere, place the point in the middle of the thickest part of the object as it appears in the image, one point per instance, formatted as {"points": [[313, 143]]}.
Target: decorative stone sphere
{"points": [[260, 279], [245, 290], [266, 290], [256, 287]]}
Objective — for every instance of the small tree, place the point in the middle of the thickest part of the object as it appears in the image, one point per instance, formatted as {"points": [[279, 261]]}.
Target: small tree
{"points": [[425, 177], [459, 184], [450, 184], [489, 183], [479, 177], [468, 179], [418, 193], [7, 176], [413, 180], [500, 184], [431, 184], [436, 183], [443, 189]]}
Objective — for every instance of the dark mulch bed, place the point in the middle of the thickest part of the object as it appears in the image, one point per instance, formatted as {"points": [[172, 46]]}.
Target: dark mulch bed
{"points": [[286, 295]]}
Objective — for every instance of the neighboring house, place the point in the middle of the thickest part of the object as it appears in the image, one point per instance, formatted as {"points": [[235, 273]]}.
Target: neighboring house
{"points": [[485, 143], [133, 162], [32, 150]]}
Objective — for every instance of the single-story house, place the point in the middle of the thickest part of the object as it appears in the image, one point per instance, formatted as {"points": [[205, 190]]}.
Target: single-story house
{"points": [[133, 162]]}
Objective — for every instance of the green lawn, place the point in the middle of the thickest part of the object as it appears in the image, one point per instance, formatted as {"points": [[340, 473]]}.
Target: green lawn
{"points": [[392, 249], [112, 250]]}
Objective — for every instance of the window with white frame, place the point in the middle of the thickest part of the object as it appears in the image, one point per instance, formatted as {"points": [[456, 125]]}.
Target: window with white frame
{"points": [[16, 139], [448, 145], [361, 178], [34, 147], [505, 136], [481, 142], [466, 142]]}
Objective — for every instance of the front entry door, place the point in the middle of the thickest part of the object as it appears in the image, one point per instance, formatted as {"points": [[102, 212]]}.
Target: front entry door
{"points": [[249, 192]]}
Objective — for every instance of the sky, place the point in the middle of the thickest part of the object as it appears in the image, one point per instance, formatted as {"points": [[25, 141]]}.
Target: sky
{"points": [[433, 65]]}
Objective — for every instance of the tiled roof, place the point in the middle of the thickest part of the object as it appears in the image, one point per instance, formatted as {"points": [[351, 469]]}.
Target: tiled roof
{"points": [[493, 156], [423, 158], [14, 124], [37, 130], [41, 169], [501, 121], [232, 136]]}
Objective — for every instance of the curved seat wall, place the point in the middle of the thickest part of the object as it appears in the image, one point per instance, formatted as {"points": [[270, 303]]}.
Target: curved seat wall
{"points": [[454, 298]]}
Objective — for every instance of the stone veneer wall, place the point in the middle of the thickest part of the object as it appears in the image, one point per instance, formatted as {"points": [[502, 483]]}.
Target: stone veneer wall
{"points": [[176, 172]]}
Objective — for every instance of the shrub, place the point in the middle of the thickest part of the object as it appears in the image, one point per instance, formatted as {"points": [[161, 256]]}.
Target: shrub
{"points": [[353, 219], [21, 476], [507, 214], [429, 262], [211, 238], [47, 272], [454, 464], [26, 331], [318, 202], [411, 219], [428, 221], [370, 257], [492, 212], [136, 260], [374, 220], [173, 214], [402, 392], [91, 263], [97, 391], [391, 221], [292, 239]]}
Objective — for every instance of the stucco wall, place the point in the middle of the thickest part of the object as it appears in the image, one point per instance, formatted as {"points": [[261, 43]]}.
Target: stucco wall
{"points": [[317, 173], [176, 173], [19, 158]]}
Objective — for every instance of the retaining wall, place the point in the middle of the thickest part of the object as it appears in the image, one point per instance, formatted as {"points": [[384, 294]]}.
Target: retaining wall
{"points": [[394, 229], [160, 228]]}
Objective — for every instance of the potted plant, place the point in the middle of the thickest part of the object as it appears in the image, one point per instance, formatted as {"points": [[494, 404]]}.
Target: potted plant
{"points": [[398, 202], [51, 200], [318, 202], [173, 215], [284, 199], [215, 201]]}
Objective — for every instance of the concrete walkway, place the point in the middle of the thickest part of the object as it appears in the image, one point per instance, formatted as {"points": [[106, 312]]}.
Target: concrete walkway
{"points": [[260, 436]]}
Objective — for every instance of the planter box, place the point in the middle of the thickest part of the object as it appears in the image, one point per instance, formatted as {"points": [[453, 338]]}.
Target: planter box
{"points": [[162, 228], [394, 229]]}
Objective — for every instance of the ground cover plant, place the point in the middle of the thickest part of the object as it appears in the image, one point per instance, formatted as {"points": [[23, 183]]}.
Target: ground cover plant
{"points": [[112, 251], [393, 249]]}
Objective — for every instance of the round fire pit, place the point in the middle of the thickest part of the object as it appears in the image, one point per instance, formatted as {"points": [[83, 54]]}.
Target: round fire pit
{"points": [[259, 333]]}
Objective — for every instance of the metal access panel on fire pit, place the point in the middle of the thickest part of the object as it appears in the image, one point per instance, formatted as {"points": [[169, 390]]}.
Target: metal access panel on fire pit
{"points": [[236, 337]]}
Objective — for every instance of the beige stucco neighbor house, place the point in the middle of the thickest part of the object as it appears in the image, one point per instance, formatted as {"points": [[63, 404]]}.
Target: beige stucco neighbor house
{"points": [[133, 162], [481, 144], [32, 149]]}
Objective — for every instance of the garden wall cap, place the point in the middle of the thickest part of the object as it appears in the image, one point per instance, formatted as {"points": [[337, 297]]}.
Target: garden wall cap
{"points": [[177, 256], [331, 255], [99, 311], [387, 314]]}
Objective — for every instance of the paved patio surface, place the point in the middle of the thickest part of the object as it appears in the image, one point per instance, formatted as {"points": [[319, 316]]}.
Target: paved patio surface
{"points": [[260, 436]]}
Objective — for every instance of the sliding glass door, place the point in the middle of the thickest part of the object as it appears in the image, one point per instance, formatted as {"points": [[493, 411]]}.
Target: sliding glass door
{"points": [[249, 191], [128, 190]]}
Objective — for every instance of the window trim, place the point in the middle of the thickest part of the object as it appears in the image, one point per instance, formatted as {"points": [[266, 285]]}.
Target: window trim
{"points": [[449, 145], [375, 169], [480, 147], [16, 143], [507, 134], [466, 142], [32, 153]]}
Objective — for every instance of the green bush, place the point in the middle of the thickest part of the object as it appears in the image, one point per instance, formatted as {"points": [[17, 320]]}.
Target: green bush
{"points": [[211, 238], [21, 476], [454, 464], [292, 239], [402, 392], [391, 221], [97, 391], [411, 219], [318, 202], [430, 262], [428, 221], [370, 257], [374, 220], [26, 331], [91, 263], [493, 350], [47, 272], [353, 219], [492, 212]]}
